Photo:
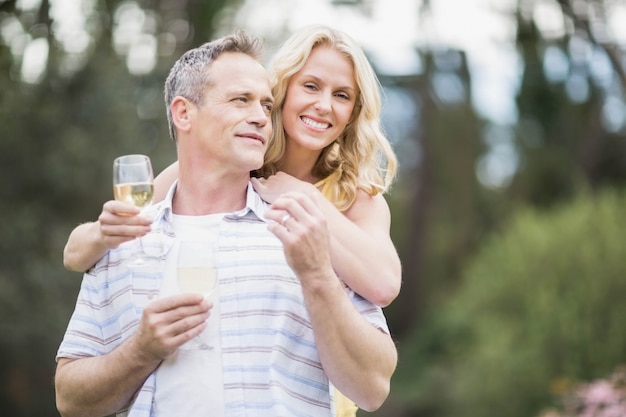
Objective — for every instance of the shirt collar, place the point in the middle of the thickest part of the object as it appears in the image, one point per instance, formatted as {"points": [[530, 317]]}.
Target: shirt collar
{"points": [[254, 205]]}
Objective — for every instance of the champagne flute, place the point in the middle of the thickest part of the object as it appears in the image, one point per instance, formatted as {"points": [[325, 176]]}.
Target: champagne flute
{"points": [[133, 183], [196, 273]]}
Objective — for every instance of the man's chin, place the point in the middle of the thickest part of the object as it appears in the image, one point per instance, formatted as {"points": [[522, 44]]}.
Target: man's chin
{"points": [[254, 164]]}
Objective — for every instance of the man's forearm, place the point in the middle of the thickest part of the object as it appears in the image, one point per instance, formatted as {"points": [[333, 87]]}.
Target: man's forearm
{"points": [[358, 358], [101, 385]]}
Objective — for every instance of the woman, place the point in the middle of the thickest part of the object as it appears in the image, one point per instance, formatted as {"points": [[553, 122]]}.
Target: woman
{"points": [[328, 102]]}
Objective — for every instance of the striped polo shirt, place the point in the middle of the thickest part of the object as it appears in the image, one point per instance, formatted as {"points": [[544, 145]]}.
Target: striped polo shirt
{"points": [[271, 365]]}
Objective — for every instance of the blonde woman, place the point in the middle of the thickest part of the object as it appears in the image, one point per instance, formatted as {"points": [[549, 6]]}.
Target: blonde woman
{"points": [[327, 145]]}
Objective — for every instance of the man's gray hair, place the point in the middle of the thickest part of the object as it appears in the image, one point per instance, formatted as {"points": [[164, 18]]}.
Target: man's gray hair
{"points": [[190, 76]]}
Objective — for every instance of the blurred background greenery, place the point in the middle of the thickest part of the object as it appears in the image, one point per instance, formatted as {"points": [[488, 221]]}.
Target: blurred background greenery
{"points": [[510, 228]]}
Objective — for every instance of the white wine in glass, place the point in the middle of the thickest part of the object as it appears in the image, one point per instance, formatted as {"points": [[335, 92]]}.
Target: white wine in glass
{"points": [[199, 279], [196, 273], [138, 194], [133, 183]]}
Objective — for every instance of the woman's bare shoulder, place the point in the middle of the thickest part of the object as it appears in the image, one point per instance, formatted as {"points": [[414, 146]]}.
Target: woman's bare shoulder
{"points": [[366, 205]]}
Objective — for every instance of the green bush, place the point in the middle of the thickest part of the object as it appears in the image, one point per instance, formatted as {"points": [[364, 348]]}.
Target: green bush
{"points": [[541, 305]]}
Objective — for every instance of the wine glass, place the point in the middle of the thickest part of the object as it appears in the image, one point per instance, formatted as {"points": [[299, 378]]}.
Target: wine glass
{"points": [[133, 183], [196, 273]]}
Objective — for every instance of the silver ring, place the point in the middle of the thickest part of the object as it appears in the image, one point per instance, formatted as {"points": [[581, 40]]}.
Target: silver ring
{"points": [[284, 218]]}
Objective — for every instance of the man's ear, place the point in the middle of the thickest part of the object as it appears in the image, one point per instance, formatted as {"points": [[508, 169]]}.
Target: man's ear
{"points": [[182, 113]]}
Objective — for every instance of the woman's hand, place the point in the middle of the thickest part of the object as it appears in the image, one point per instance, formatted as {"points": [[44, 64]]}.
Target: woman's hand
{"points": [[120, 222], [300, 224], [273, 187]]}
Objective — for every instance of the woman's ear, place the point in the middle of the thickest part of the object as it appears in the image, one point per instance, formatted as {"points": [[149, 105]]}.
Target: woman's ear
{"points": [[182, 113]]}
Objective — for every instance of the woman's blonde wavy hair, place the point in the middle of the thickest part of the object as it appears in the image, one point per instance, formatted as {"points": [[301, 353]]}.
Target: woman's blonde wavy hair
{"points": [[362, 156]]}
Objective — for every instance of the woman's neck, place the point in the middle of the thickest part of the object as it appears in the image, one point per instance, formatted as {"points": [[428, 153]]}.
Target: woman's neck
{"points": [[299, 164]]}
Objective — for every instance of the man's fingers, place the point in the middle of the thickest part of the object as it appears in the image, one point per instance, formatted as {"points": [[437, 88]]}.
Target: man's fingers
{"points": [[177, 319], [177, 301]]}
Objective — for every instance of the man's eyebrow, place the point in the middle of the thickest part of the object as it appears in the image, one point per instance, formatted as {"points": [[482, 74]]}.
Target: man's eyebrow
{"points": [[248, 94]]}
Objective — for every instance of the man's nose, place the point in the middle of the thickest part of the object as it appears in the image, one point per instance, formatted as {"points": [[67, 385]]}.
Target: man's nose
{"points": [[259, 115]]}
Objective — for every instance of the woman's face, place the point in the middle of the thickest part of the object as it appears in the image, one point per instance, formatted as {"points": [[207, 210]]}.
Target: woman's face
{"points": [[319, 100]]}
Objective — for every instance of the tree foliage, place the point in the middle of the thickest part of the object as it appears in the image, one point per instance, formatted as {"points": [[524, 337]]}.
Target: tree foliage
{"points": [[539, 307], [564, 135]]}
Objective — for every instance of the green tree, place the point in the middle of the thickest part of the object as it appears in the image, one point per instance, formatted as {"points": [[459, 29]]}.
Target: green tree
{"points": [[540, 305], [565, 134]]}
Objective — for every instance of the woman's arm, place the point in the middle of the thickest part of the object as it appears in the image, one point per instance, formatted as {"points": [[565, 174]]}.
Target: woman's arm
{"points": [[164, 181], [358, 357], [88, 242], [362, 252], [118, 223]]}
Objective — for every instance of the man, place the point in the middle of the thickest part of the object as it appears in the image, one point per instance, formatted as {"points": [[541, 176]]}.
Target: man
{"points": [[282, 326]]}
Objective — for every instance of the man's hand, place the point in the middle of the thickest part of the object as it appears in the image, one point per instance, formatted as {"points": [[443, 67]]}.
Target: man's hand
{"points": [[170, 322]]}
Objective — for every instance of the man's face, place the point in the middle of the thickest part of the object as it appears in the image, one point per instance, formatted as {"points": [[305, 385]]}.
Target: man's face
{"points": [[233, 125]]}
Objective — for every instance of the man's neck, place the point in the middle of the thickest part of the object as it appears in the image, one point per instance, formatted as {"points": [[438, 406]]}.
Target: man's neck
{"points": [[219, 195]]}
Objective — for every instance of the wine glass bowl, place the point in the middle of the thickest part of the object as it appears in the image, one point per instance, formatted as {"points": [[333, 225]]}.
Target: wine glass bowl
{"points": [[133, 180], [133, 183], [196, 273], [138, 194]]}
